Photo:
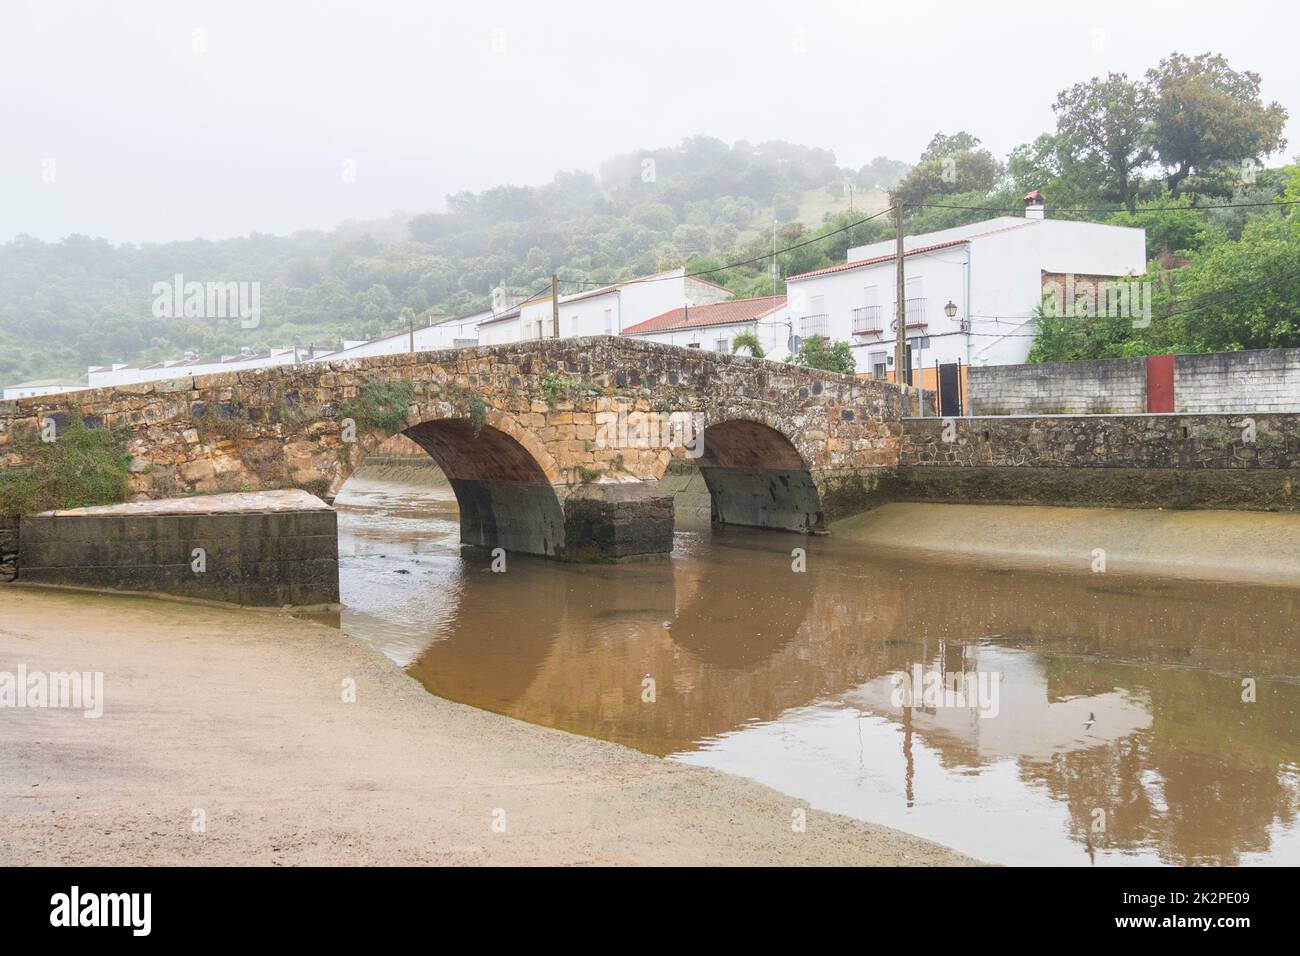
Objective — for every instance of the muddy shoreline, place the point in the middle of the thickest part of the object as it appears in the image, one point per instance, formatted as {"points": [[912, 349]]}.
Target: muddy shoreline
{"points": [[1239, 547], [237, 718]]}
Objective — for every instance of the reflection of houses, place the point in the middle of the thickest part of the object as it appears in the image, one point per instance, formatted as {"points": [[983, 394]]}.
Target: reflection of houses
{"points": [[1029, 724], [715, 327], [990, 275]]}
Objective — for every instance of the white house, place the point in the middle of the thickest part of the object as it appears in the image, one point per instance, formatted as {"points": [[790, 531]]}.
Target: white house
{"points": [[126, 373], [991, 275], [607, 310], [714, 327], [42, 386]]}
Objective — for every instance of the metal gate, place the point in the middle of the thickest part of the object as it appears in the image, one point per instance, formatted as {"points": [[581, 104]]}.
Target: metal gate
{"points": [[949, 377]]}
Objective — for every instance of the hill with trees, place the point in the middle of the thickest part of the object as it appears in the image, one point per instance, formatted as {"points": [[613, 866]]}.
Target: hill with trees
{"points": [[1179, 152]]}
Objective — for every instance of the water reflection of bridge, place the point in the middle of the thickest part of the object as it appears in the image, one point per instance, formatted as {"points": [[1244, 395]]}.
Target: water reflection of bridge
{"points": [[1180, 764]]}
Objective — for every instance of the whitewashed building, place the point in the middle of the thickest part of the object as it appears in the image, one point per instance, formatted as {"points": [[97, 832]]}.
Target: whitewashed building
{"points": [[607, 310], [714, 327], [990, 275], [126, 373], [42, 386]]}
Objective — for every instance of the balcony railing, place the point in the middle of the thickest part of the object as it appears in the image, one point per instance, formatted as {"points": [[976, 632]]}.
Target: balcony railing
{"points": [[810, 325], [868, 319], [915, 315], [915, 312]]}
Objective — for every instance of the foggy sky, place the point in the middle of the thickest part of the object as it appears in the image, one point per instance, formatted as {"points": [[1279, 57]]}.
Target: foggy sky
{"points": [[150, 139]]}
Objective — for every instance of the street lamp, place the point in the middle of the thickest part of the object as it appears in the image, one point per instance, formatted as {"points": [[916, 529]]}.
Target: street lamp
{"points": [[950, 310]]}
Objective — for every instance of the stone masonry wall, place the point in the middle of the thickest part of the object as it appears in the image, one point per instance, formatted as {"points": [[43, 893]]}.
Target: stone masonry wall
{"points": [[284, 427], [260, 559], [1194, 461], [8, 547]]}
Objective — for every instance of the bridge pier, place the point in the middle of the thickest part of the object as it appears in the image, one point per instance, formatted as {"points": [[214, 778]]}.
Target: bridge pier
{"points": [[609, 521], [595, 522]]}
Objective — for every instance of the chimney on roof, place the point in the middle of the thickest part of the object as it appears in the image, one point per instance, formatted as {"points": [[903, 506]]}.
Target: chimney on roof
{"points": [[1034, 205]]}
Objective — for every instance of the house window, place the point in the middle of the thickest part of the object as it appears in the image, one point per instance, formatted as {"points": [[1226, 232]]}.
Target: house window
{"points": [[573, 325], [723, 344], [692, 345], [815, 321], [609, 321], [877, 361]]}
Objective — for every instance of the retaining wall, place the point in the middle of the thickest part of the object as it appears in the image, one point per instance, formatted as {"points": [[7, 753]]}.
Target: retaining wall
{"points": [[1255, 381], [1178, 461], [268, 549]]}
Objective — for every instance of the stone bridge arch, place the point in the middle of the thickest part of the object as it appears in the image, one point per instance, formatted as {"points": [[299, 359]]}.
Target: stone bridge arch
{"points": [[508, 487], [757, 476], [517, 428]]}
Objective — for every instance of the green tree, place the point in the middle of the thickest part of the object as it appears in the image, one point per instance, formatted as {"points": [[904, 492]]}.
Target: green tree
{"points": [[941, 145], [816, 353], [950, 164], [1207, 119], [1238, 295], [1172, 225], [1052, 165], [1105, 121]]}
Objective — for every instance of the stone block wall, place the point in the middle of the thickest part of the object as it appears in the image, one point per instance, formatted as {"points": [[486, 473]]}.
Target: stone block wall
{"points": [[1263, 380], [266, 558], [1102, 387], [8, 547], [1189, 461]]}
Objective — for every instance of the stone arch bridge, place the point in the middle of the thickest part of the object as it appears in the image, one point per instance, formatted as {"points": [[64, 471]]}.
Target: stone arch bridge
{"points": [[552, 447]]}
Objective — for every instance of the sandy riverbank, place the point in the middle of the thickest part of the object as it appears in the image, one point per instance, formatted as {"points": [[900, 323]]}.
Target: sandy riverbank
{"points": [[239, 714], [1241, 547]]}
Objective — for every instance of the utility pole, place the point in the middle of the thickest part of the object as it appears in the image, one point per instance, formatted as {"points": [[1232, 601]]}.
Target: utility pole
{"points": [[775, 267], [900, 309], [555, 305]]}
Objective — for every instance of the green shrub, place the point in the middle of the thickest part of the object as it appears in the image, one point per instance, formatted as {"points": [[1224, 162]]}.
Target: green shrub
{"points": [[83, 467], [558, 388], [748, 340], [381, 405], [816, 353]]}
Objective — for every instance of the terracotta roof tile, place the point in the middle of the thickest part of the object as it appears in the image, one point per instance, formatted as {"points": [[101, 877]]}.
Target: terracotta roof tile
{"points": [[732, 312]]}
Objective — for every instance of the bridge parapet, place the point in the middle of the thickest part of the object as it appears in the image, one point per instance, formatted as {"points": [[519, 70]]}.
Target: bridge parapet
{"points": [[502, 421]]}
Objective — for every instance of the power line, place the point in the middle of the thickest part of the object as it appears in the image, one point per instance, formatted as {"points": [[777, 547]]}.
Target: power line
{"points": [[1207, 299], [1240, 205], [743, 262]]}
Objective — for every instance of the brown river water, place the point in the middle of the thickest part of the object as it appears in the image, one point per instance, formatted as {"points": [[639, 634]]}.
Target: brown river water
{"points": [[1104, 721]]}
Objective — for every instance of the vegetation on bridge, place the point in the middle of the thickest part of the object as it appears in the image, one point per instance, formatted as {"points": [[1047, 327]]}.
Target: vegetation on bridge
{"points": [[381, 405], [83, 467]]}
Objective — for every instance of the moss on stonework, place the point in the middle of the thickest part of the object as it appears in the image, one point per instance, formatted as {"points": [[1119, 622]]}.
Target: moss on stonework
{"points": [[381, 405], [314, 486], [558, 388], [80, 468]]}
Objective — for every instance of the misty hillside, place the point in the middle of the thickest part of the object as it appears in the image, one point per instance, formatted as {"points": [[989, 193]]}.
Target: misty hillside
{"points": [[85, 301]]}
